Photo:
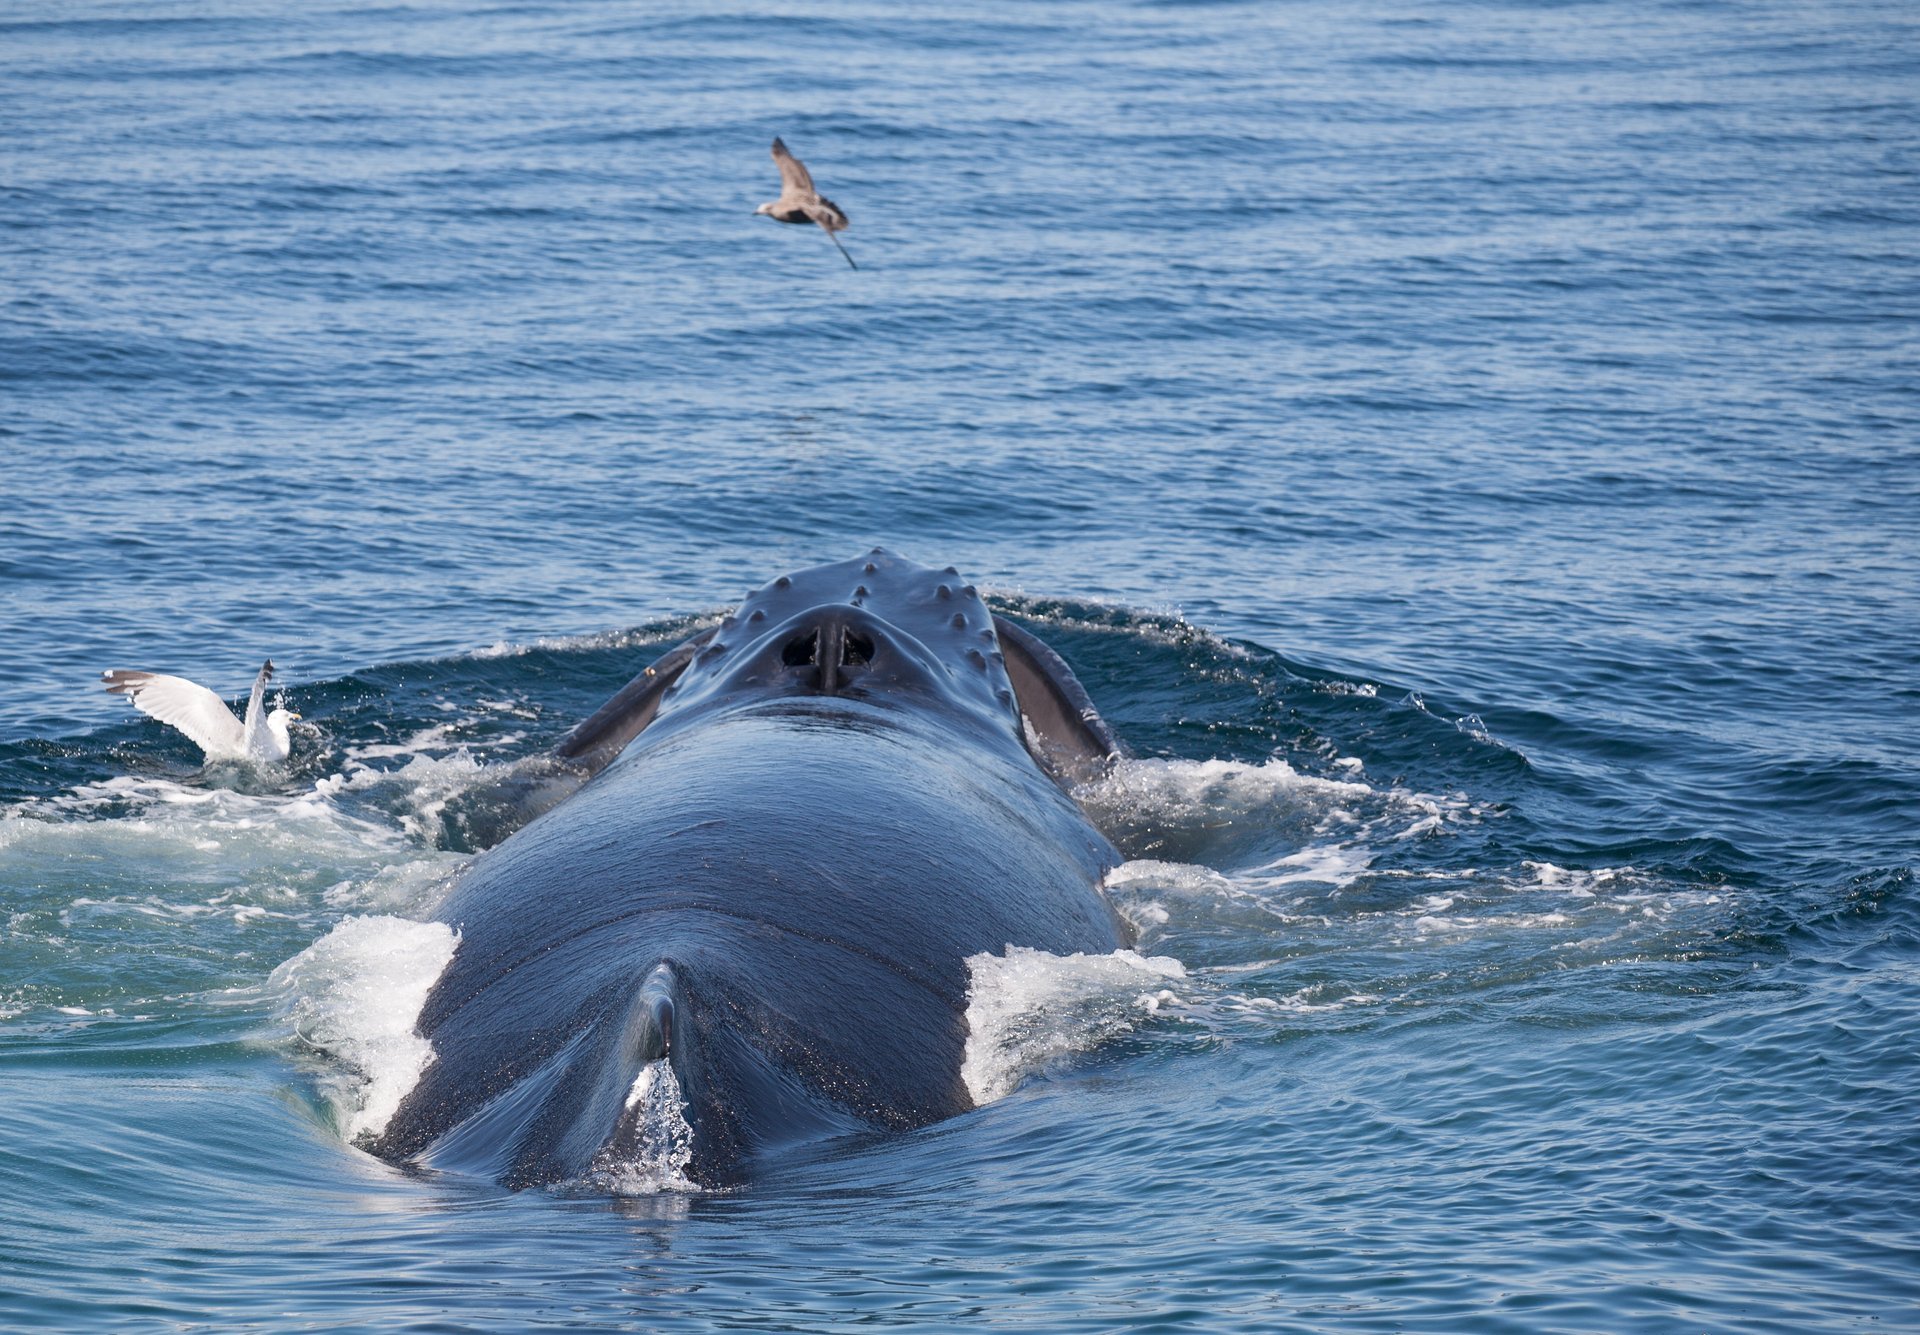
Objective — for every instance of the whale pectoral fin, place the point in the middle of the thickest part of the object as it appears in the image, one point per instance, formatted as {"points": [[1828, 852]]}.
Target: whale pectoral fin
{"points": [[1063, 729], [593, 745], [488, 813]]}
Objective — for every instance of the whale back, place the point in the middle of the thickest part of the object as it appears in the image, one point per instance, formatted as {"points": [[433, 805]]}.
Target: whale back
{"points": [[800, 883]]}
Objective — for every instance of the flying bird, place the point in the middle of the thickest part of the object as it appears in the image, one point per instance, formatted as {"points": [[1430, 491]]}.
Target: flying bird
{"points": [[204, 716], [799, 202]]}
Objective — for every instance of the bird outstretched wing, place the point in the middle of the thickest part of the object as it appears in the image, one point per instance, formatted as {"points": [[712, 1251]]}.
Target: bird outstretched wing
{"points": [[253, 733], [827, 214], [793, 173], [182, 704]]}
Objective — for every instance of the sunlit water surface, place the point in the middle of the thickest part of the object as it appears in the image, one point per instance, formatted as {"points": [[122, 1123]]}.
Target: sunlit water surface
{"points": [[1468, 450]]}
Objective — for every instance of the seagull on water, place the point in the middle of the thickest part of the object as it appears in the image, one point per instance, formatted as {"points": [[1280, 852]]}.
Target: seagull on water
{"points": [[799, 202], [204, 716]]}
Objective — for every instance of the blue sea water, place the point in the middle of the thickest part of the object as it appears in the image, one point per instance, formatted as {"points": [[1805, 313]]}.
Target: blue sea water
{"points": [[1471, 451]]}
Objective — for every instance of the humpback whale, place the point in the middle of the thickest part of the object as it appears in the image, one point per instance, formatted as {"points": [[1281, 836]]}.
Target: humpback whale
{"points": [[764, 864]]}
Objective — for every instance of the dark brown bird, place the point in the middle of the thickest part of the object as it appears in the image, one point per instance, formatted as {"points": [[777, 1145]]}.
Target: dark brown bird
{"points": [[799, 202]]}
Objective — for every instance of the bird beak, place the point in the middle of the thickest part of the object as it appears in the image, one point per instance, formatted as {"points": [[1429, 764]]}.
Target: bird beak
{"points": [[291, 714]]}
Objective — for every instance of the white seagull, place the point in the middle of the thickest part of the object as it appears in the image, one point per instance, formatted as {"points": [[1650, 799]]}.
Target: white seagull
{"points": [[204, 716], [800, 203]]}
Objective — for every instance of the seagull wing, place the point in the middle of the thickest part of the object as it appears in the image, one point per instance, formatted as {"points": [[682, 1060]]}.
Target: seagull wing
{"points": [[827, 214], [255, 739], [794, 179], [182, 704]]}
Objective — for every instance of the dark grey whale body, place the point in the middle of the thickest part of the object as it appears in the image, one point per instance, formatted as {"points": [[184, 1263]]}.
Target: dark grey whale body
{"points": [[798, 828]]}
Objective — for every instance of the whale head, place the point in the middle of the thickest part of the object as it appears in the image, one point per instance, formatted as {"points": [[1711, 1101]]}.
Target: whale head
{"points": [[878, 630]]}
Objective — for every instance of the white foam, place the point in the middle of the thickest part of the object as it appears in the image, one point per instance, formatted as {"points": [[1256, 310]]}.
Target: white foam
{"points": [[1579, 884], [98, 852], [402, 888], [1027, 1009], [1207, 810], [1179, 878], [513, 708], [1432, 924], [355, 995], [1150, 893], [437, 737], [428, 782], [1335, 865], [1183, 790], [1225, 1012], [167, 819]]}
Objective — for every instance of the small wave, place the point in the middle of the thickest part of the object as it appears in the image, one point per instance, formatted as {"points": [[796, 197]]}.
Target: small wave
{"points": [[1212, 810], [228, 851], [1165, 625], [1579, 909], [1322, 930], [1286, 825], [415, 779], [421, 788], [634, 637], [146, 896]]}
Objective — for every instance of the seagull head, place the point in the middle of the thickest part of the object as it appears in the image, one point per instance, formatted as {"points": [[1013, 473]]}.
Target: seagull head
{"points": [[764, 208]]}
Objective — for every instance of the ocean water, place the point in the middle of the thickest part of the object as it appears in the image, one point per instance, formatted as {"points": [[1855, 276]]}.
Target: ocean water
{"points": [[1470, 451]]}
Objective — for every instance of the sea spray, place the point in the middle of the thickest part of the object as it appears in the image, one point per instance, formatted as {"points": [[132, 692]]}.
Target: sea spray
{"points": [[653, 1148], [354, 996], [1027, 1009]]}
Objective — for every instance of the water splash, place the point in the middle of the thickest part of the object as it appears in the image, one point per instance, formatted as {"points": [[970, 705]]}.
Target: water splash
{"points": [[654, 1147], [354, 997], [1028, 1009]]}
